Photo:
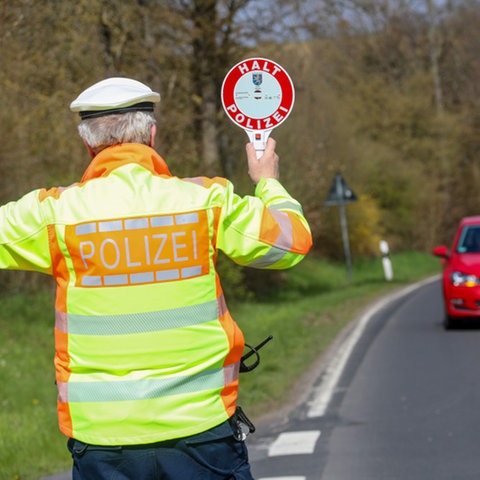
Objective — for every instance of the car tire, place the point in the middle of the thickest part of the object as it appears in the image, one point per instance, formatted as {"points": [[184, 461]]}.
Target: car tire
{"points": [[449, 323]]}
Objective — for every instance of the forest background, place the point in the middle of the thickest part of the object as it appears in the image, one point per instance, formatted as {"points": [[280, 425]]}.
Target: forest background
{"points": [[387, 94]]}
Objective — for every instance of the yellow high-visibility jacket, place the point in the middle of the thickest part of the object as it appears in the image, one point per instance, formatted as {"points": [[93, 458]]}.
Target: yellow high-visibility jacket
{"points": [[146, 349]]}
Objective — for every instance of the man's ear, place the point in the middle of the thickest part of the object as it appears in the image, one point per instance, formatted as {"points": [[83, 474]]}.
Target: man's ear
{"points": [[152, 135], [89, 148]]}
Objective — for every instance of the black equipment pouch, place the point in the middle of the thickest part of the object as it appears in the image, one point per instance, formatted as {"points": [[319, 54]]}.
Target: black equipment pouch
{"points": [[241, 425]]}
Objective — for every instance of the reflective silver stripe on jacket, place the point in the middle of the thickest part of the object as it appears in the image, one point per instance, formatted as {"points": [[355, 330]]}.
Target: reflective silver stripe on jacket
{"points": [[117, 391]]}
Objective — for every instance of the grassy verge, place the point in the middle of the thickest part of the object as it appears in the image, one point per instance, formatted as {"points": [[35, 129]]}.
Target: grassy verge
{"points": [[313, 306]]}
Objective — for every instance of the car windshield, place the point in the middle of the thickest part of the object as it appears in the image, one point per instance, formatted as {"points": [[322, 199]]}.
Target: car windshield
{"points": [[469, 241]]}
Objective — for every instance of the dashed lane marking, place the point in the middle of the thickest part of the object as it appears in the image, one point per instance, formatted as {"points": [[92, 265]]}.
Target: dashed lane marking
{"points": [[294, 443], [282, 478]]}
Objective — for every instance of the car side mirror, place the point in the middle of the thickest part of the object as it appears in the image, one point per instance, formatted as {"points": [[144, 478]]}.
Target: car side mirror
{"points": [[441, 251]]}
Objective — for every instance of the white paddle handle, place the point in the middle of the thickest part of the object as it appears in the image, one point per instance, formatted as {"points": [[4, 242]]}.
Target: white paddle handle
{"points": [[259, 139]]}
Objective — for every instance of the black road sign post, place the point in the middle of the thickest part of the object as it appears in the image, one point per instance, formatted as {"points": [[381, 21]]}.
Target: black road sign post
{"points": [[340, 194]]}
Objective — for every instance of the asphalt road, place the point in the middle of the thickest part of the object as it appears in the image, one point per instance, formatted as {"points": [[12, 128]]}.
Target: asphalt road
{"points": [[403, 406]]}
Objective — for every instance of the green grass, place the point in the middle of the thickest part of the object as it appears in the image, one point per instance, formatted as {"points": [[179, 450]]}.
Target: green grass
{"points": [[30, 443], [314, 304]]}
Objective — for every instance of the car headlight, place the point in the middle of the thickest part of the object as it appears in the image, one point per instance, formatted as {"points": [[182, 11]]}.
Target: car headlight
{"points": [[464, 280]]}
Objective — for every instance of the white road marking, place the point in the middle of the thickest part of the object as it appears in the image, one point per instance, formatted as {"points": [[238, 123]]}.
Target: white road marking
{"points": [[324, 392], [282, 478], [294, 443]]}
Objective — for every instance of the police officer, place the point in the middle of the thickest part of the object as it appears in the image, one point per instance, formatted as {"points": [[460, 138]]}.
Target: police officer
{"points": [[147, 355]]}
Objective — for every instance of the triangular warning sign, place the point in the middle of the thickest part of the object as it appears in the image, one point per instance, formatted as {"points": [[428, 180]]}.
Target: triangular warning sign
{"points": [[340, 192]]}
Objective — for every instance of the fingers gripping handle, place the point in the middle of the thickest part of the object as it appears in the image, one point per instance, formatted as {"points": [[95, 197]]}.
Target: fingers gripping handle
{"points": [[259, 139]]}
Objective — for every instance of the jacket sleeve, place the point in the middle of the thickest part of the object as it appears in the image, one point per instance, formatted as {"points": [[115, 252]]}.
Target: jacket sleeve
{"points": [[24, 235], [266, 231]]}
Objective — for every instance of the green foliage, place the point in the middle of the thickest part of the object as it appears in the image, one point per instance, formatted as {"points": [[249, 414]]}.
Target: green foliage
{"points": [[367, 108], [364, 229], [30, 443], [389, 99]]}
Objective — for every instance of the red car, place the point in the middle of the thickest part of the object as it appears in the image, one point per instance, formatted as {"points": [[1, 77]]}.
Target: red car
{"points": [[461, 273]]}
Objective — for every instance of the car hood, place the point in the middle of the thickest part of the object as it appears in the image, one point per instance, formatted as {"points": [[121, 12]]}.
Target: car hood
{"points": [[466, 261]]}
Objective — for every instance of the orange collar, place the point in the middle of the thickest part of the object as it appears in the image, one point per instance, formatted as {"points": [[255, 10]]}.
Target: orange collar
{"points": [[113, 157]]}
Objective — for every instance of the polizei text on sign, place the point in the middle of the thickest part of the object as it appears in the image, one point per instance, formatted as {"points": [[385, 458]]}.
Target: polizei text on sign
{"points": [[257, 94]]}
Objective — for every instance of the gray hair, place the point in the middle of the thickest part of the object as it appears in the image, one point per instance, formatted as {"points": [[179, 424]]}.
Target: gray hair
{"points": [[107, 130]]}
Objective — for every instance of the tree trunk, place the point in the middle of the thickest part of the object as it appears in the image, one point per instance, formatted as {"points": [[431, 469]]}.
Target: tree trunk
{"points": [[204, 16]]}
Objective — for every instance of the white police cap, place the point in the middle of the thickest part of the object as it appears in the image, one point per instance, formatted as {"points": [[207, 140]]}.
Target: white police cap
{"points": [[114, 95]]}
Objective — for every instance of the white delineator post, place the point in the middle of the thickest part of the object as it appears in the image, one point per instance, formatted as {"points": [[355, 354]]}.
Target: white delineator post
{"points": [[387, 264]]}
